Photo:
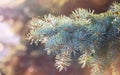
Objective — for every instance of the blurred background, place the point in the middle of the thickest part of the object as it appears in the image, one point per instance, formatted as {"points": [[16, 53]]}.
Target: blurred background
{"points": [[17, 56]]}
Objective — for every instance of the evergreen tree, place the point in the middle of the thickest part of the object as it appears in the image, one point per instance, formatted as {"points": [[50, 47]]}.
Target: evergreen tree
{"points": [[95, 37]]}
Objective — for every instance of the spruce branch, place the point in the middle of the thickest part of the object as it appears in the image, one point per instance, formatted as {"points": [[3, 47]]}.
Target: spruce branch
{"points": [[63, 60], [95, 37]]}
